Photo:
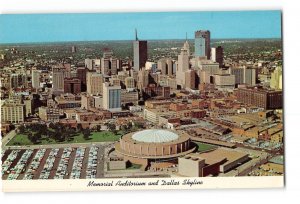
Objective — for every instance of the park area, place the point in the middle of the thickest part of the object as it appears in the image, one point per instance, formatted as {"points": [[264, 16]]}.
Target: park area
{"points": [[53, 136]]}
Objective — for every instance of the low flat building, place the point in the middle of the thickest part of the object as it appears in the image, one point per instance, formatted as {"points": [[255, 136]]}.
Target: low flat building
{"points": [[153, 115], [210, 163]]}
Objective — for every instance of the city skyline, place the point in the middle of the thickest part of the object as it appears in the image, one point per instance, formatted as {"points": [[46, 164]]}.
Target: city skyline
{"points": [[134, 109], [30, 28]]}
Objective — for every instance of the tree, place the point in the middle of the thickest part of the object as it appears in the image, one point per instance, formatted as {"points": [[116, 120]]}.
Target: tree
{"points": [[98, 128], [36, 138], [111, 126], [86, 134], [173, 95], [139, 124], [52, 126], [79, 127], [30, 136], [22, 129], [33, 137]]}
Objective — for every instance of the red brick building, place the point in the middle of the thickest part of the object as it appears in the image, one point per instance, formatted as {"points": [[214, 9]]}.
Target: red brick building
{"points": [[72, 85]]}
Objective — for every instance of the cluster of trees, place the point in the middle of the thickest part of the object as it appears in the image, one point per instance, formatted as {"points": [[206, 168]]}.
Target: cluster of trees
{"points": [[34, 132], [57, 132]]}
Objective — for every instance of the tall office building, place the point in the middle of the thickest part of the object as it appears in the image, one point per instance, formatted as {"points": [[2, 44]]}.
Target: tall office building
{"points": [[105, 66], [18, 80], [239, 74], [130, 83], [186, 45], [114, 65], [81, 74], [166, 66], [12, 111], [250, 76], [190, 79], [74, 49], [202, 43], [276, 78], [94, 82], [143, 78], [72, 85], [92, 64], [217, 55], [224, 81], [67, 69], [111, 97], [140, 53], [58, 79], [28, 103], [109, 64], [35, 79], [183, 65]]}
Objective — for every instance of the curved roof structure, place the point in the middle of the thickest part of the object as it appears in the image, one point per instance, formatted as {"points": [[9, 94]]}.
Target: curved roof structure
{"points": [[155, 136]]}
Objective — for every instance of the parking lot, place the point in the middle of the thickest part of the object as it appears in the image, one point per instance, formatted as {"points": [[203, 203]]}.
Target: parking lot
{"points": [[53, 163]]}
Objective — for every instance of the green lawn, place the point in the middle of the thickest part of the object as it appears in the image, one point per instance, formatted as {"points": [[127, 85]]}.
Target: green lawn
{"points": [[19, 139], [103, 136], [202, 147]]}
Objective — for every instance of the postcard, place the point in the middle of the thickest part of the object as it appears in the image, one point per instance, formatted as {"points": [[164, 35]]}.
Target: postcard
{"points": [[144, 100]]}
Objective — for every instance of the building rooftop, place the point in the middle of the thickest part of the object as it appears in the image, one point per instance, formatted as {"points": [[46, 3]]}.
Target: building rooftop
{"points": [[220, 154], [155, 136]]}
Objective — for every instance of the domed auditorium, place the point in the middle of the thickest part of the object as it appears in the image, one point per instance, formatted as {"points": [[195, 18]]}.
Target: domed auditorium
{"points": [[154, 146]]}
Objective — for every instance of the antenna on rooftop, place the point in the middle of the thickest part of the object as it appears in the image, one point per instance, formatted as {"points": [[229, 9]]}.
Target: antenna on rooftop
{"points": [[136, 36], [185, 36]]}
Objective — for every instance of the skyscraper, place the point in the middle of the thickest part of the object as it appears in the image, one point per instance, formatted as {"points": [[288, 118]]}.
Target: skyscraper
{"points": [[35, 79], [129, 83], [238, 72], [190, 79], [166, 66], [186, 45], [250, 76], [18, 80], [217, 55], [57, 79], [111, 97], [143, 78], [81, 74], [276, 78], [140, 53], [182, 66], [202, 43], [94, 83], [74, 49], [72, 85]]}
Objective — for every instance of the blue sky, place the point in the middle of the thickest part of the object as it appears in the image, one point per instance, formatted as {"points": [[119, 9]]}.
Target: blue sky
{"points": [[18, 28]]}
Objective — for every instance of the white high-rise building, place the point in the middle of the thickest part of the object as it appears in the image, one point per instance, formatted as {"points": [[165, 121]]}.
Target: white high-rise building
{"points": [[111, 97], [276, 78], [58, 79], [12, 111], [182, 66], [35, 79]]}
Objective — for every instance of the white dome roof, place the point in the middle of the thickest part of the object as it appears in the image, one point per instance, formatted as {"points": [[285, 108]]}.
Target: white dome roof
{"points": [[155, 136]]}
